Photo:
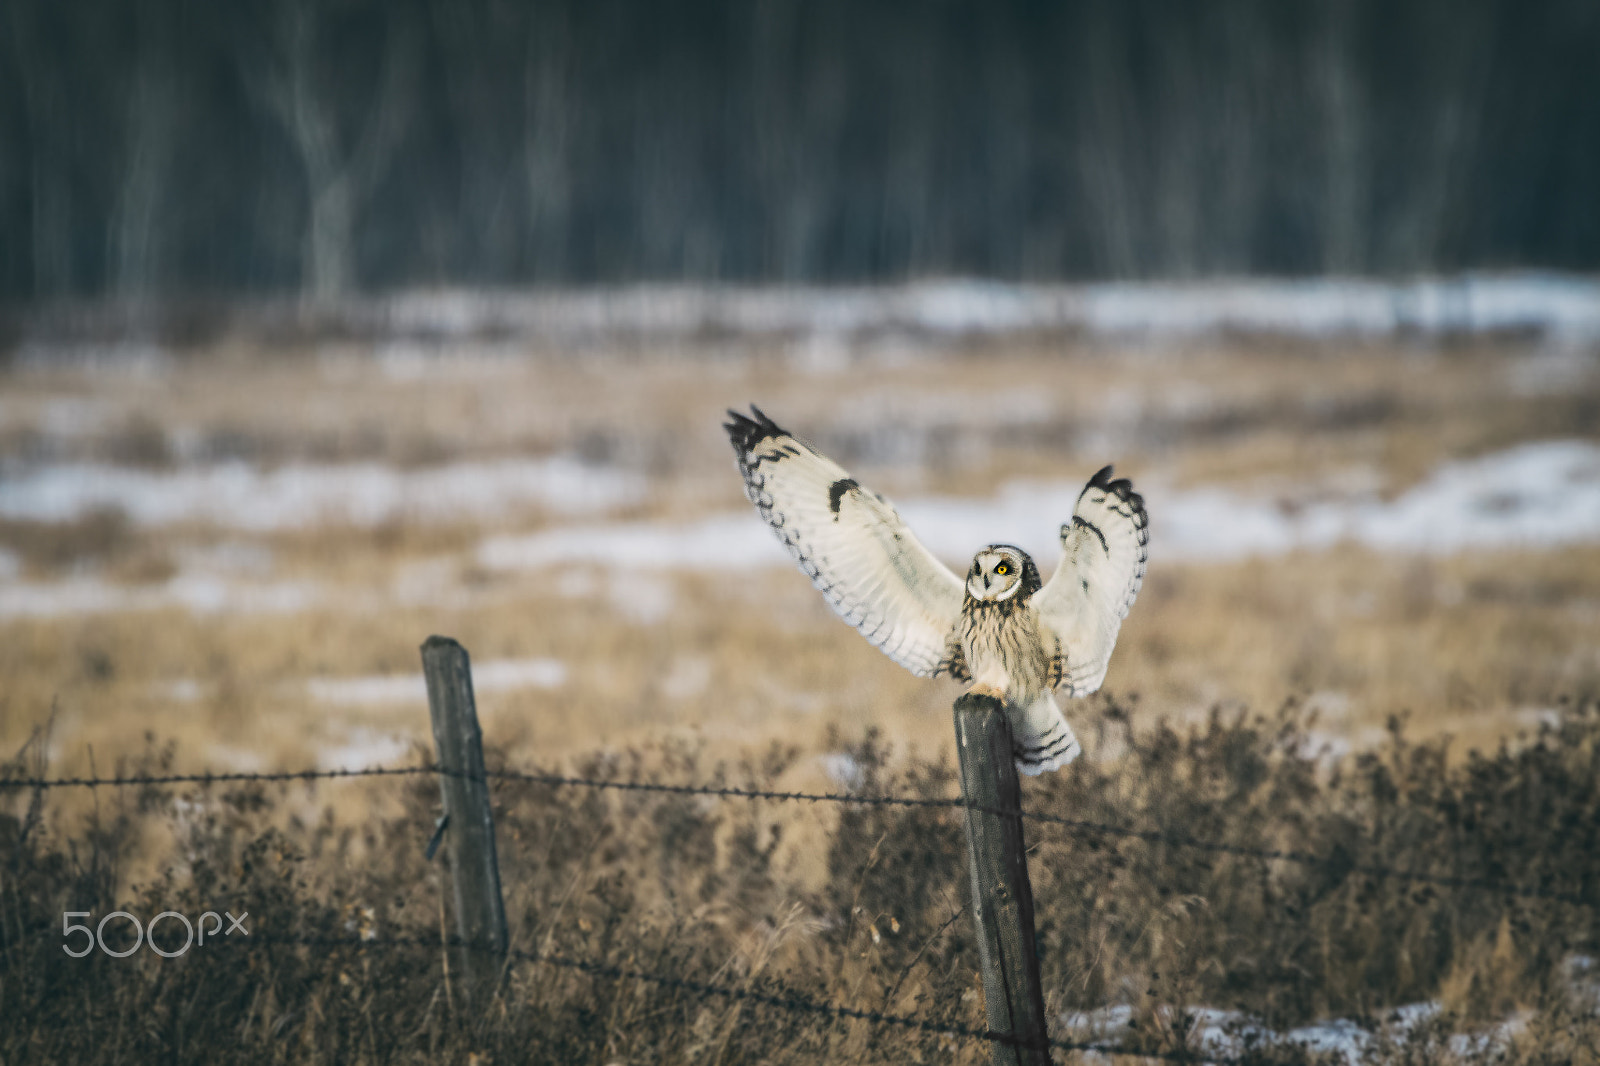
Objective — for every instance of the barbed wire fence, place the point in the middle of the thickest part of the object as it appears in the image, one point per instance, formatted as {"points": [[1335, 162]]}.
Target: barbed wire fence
{"points": [[481, 935], [1076, 826]]}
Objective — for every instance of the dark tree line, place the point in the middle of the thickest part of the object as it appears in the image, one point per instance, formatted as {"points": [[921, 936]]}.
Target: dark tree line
{"points": [[171, 146]]}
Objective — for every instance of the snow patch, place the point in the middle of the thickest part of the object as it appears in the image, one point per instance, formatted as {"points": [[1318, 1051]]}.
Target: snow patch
{"points": [[233, 758], [1232, 1033], [239, 495], [688, 678], [1537, 495], [825, 320], [368, 691], [505, 675], [642, 598], [179, 690], [197, 593], [493, 675], [724, 542], [363, 748], [842, 769]]}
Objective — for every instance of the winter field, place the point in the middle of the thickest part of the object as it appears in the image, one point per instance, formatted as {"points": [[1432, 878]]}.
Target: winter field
{"points": [[240, 546], [1365, 503]]}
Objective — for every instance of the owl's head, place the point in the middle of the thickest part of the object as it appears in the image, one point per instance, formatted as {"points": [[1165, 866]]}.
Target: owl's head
{"points": [[1000, 572]]}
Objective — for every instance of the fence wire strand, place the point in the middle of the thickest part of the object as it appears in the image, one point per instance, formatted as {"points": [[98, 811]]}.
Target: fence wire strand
{"points": [[207, 777], [787, 1002], [1082, 827]]}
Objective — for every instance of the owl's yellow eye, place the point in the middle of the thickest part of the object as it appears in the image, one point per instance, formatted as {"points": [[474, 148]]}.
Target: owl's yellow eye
{"points": [[1002, 569]]}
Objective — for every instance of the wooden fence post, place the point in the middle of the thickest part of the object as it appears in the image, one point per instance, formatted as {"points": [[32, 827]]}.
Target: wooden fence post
{"points": [[474, 869], [1002, 898]]}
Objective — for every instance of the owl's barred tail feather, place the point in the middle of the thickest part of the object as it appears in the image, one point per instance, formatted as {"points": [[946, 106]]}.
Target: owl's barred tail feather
{"points": [[1041, 739]]}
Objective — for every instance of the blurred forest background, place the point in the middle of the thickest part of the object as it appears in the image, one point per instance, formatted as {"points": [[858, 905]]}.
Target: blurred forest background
{"points": [[325, 326], [173, 147]]}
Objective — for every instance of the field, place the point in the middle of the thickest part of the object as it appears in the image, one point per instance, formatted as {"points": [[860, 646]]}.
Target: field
{"points": [[225, 555]]}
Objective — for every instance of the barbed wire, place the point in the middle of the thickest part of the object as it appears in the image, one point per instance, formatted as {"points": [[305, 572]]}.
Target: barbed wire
{"points": [[207, 777], [729, 791], [1081, 825], [706, 990], [1337, 864]]}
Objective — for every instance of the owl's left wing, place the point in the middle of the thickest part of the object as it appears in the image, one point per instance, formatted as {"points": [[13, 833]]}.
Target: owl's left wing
{"points": [[853, 546], [1103, 552]]}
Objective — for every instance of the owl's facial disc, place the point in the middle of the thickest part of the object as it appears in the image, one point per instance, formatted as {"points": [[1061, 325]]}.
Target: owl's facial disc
{"points": [[996, 574]]}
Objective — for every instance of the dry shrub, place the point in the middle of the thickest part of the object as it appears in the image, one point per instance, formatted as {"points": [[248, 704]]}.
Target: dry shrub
{"points": [[98, 536], [700, 888], [1127, 920]]}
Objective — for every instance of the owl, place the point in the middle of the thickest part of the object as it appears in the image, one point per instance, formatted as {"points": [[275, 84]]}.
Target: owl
{"points": [[1002, 629]]}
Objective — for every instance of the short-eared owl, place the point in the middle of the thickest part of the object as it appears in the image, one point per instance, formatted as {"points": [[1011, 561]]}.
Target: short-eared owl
{"points": [[1001, 629]]}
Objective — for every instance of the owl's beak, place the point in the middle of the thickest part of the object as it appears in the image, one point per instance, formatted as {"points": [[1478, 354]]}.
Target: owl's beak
{"points": [[986, 582]]}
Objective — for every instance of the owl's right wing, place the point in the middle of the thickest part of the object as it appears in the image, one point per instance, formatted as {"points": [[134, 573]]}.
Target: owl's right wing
{"points": [[853, 546], [1103, 553]]}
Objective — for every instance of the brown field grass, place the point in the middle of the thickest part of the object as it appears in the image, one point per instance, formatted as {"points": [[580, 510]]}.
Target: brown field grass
{"points": [[1475, 646], [1471, 650], [869, 916], [1455, 643], [1466, 644]]}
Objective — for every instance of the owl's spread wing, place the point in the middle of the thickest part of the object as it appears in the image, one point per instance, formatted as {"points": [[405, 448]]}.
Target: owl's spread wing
{"points": [[1103, 552], [853, 546]]}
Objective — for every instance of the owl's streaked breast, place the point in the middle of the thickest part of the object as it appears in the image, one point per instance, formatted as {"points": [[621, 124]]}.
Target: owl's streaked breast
{"points": [[1003, 650]]}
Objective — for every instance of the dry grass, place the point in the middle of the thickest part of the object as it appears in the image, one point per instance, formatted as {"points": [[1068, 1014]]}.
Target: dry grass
{"points": [[749, 676], [1464, 648], [1472, 645], [871, 917]]}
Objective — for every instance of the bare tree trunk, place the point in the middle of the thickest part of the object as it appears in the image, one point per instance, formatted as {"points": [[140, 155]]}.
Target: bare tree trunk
{"points": [[483, 52], [912, 238], [50, 206], [1231, 205], [1103, 155], [329, 253], [1177, 160], [791, 126], [1345, 173], [51, 229], [340, 171], [545, 140], [1454, 100], [135, 234], [1008, 153]]}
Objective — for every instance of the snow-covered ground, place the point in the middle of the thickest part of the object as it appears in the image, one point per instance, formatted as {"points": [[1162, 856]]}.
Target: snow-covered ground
{"points": [[1560, 307], [239, 495], [1563, 309], [492, 675], [1536, 495], [197, 593], [1233, 1033]]}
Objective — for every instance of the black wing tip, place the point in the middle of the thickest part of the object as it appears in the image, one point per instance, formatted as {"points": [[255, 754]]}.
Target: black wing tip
{"points": [[1103, 479], [1120, 487], [746, 432]]}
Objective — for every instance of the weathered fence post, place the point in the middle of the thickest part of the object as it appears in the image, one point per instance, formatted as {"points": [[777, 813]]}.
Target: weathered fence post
{"points": [[458, 744], [1002, 898]]}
